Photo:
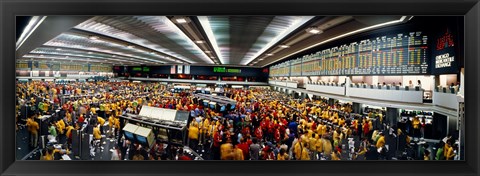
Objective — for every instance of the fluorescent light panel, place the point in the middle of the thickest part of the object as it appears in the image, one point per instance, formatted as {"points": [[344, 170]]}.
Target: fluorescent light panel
{"points": [[32, 25], [205, 23], [281, 33], [100, 28]]}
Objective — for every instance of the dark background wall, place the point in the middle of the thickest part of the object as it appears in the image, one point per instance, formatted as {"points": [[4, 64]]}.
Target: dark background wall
{"points": [[259, 74]]}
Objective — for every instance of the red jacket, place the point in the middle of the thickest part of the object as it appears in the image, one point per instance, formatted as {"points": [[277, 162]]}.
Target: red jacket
{"points": [[259, 133], [217, 139], [245, 149]]}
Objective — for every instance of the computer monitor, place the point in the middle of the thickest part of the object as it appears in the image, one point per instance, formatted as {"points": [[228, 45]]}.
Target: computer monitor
{"points": [[212, 105], [142, 140], [129, 136], [223, 108]]}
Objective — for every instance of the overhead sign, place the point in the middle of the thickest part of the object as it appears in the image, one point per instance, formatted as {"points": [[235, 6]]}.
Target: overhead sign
{"points": [[226, 70]]}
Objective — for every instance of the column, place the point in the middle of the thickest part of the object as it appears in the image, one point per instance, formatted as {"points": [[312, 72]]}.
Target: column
{"points": [[331, 101], [357, 108], [392, 116]]}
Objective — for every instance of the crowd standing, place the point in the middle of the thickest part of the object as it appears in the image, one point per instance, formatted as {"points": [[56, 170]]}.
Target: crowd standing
{"points": [[265, 125]]}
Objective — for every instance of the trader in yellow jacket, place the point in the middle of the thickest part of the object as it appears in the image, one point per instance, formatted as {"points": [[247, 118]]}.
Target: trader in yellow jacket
{"points": [[305, 153], [33, 128], [380, 141], [60, 126], [193, 133]]}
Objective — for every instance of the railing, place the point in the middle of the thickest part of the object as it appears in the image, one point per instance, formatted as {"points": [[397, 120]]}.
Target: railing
{"points": [[446, 97], [331, 88], [387, 93]]}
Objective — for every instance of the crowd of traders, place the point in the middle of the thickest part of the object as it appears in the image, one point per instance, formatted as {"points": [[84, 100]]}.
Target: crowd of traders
{"points": [[265, 125]]}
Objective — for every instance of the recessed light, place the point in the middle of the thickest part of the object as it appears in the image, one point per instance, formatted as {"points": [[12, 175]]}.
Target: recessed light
{"points": [[130, 46], [199, 41], [213, 57], [152, 52], [89, 52], [269, 54], [114, 56], [181, 20], [284, 46], [207, 51], [58, 49], [93, 37], [260, 59], [314, 30]]}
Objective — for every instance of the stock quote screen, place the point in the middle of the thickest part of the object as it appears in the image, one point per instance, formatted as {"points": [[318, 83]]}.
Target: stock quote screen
{"points": [[402, 53]]}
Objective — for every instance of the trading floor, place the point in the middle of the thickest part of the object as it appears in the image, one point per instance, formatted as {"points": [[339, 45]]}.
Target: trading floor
{"points": [[258, 123], [240, 88]]}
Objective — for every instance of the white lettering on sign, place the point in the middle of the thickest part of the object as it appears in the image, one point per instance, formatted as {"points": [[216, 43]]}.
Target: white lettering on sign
{"points": [[444, 60]]}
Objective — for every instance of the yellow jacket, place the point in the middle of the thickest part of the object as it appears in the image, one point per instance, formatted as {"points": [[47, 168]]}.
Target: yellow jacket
{"points": [[335, 157], [327, 147], [319, 144], [380, 142], [238, 154], [60, 126], [96, 133], [111, 121], [312, 144], [297, 150], [416, 123], [305, 155], [117, 123], [193, 132], [226, 151], [284, 157], [101, 120], [69, 131], [450, 154], [32, 126]]}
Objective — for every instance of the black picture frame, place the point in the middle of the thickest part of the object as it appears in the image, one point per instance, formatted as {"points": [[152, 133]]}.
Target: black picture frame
{"points": [[10, 8]]}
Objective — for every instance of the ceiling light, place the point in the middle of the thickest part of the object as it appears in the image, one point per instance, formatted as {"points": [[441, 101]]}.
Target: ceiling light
{"points": [[93, 37], [152, 52], [41, 55], [130, 46], [314, 30], [199, 41], [260, 59], [208, 51], [58, 49], [269, 54], [181, 20], [284, 46], [113, 56], [89, 52]]}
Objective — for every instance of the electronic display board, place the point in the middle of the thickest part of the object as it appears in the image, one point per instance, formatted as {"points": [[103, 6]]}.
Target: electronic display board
{"points": [[402, 53]]}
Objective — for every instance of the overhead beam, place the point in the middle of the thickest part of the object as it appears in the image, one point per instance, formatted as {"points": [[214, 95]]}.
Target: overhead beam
{"points": [[51, 27]]}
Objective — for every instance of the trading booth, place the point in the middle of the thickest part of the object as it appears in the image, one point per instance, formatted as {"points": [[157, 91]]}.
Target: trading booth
{"points": [[157, 124]]}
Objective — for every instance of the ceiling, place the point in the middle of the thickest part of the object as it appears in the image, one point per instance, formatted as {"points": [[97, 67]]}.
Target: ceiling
{"points": [[256, 41]]}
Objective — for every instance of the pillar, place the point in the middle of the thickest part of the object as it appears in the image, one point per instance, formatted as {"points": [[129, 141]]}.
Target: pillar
{"points": [[357, 108], [392, 116], [331, 101]]}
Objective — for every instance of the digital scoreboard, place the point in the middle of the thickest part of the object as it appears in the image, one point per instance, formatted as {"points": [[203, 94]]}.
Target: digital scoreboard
{"points": [[402, 53]]}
